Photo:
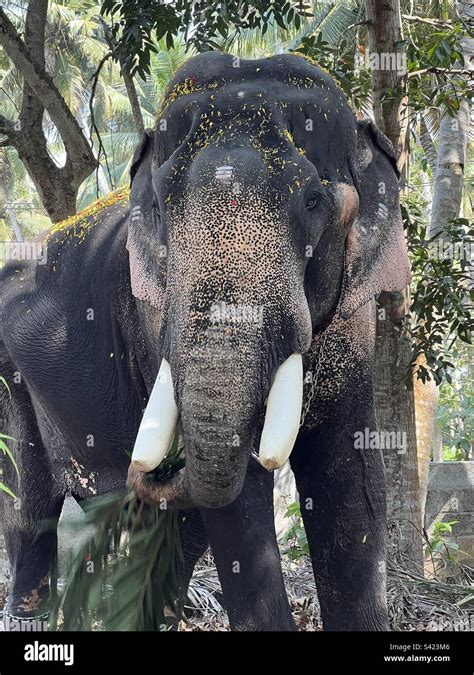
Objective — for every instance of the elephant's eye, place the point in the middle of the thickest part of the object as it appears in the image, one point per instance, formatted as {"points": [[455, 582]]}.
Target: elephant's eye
{"points": [[312, 201]]}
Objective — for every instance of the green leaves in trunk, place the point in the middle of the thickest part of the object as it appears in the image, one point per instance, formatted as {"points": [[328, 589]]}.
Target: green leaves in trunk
{"points": [[127, 575]]}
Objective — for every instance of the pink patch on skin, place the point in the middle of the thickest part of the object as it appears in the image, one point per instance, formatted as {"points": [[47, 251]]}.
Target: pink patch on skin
{"points": [[353, 241], [88, 483], [350, 202]]}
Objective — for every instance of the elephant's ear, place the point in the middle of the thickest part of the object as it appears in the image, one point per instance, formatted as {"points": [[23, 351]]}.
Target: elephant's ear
{"points": [[376, 256], [142, 243]]}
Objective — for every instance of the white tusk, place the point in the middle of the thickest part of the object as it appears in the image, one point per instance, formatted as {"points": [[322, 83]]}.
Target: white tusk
{"points": [[158, 424], [282, 420]]}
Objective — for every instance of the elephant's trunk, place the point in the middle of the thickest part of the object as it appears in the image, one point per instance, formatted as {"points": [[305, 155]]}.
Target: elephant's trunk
{"points": [[220, 404]]}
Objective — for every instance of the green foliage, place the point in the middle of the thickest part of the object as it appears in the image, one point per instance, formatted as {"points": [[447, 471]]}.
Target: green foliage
{"points": [[432, 55], [441, 291], [454, 454], [339, 61], [5, 450], [334, 20], [127, 575], [456, 406], [295, 538], [435, 64], [438, 544], [139, 24]]}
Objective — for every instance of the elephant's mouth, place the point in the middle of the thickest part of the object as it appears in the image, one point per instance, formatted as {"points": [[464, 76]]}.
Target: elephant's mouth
{"points": [[171, 493], [215, 470]]}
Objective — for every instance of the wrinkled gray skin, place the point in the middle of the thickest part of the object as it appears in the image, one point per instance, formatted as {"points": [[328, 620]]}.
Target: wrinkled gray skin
{"points": [[299, 232]]}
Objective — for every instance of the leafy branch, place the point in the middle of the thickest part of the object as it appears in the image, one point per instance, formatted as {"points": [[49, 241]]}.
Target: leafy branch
{"points": [[441, 293], [138, 25]]}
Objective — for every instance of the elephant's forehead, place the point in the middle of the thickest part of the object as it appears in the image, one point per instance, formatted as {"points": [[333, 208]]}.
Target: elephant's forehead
{"points": [[312, 114], [234, 96]]}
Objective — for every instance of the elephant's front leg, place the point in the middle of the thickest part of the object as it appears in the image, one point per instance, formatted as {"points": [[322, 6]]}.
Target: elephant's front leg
{"points": [[342, 497], [243, 541]]}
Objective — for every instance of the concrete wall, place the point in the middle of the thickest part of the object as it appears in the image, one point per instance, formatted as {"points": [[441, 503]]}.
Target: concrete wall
{"points": [[451, 497]]}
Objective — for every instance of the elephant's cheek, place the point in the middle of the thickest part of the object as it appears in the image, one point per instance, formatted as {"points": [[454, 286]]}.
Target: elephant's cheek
{"points": [[144, 286]]}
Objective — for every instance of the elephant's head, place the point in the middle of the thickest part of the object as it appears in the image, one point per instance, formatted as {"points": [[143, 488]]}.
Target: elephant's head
{"points": [[260, 207]]}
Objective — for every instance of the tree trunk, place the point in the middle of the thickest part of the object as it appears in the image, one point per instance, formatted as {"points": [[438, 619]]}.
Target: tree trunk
{"points": [[446, 204], [395, 407], [394, 403], [134, 103], [428, 433], [385, 36], [449, 177], [57, 186], [102, 182]]}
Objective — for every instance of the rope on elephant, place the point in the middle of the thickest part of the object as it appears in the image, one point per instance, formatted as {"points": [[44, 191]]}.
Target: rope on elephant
{"points": [[318, 361]]}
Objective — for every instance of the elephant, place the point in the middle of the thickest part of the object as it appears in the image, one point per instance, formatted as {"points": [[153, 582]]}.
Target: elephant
{"points": [[228, 296]]}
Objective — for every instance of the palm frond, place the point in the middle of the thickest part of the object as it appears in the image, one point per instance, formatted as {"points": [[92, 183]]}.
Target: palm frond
{"points": [[127, 575], [332, 21], [431, 117], [6, 451], [320, 12], [5, 384], [338, 21]]}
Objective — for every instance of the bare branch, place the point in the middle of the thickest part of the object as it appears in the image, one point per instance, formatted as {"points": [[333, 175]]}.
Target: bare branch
{"points": [[95, 79], [450, 71], [35, 29], [431, 22], [80, 157], [57, 186], [128, 80]]}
